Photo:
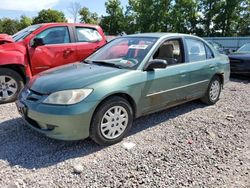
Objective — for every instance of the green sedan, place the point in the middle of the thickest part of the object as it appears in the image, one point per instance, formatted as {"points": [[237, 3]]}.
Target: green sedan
{"points": [[129, 77]]}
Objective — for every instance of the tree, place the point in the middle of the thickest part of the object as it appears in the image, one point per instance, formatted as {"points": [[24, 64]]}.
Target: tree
{"points": [[243, 25], [130, 26], [224, 17], [88, 17], [234, 14], [74, 10], [183, 16], [151, 15], [48, 16], [209, 10], [9, 26], [24, 22], [113, 23], [1, 27]]}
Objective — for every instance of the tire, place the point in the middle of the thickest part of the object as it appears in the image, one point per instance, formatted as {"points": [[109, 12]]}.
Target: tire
{"points": [[11, 84], [213, 92], [104, 129]]}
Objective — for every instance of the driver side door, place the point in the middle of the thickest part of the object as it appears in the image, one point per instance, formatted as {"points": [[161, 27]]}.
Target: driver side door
{"points": [[165, 87]]}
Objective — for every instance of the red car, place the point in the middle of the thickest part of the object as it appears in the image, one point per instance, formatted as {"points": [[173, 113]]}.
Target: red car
{"points": [[41, 47]]}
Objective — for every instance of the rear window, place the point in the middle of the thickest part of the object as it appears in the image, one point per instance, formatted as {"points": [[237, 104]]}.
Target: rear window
{"points": [[196, 50], [87, 34]]}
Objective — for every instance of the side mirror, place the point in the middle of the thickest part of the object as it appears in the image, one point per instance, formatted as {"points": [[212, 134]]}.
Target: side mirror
{"points": [[230, 51], [37, 42], [156, 64]]}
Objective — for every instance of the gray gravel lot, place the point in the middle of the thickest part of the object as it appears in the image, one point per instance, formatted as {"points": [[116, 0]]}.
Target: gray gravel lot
{"points": [[192, 145]]}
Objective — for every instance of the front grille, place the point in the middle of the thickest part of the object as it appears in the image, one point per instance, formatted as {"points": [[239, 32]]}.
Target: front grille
{"points": [[235, 61], [33, 95]]}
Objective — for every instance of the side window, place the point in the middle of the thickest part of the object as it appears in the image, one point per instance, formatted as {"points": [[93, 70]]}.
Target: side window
{"points": [[87, 34], [171, 51], [209, 53], [196, 50], [55, 35]]}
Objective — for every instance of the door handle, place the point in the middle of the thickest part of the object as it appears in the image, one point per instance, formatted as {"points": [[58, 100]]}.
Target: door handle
{"points": [[211, 66], [67, 52], [183, 73]]}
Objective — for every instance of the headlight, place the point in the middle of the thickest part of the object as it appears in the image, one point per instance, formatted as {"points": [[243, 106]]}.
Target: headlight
{"points": [[68, 97]]}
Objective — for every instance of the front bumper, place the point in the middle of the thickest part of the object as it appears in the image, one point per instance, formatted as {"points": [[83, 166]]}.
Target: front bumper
{"points": [[58, 122]]}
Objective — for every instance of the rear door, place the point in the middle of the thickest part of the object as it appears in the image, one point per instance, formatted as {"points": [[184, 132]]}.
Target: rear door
{"points": [[201, 66], [57, 49], [88, 40]]}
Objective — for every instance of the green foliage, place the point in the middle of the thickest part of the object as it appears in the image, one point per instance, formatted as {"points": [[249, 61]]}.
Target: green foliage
{"points": [[88, 17], [114, 22], [9, 26], [24, 22], [183, 16], [243, 25], [233, 13], [130, 25], [200, 17], [48, 16], [151, 15], [209, 11], [1, 27]]}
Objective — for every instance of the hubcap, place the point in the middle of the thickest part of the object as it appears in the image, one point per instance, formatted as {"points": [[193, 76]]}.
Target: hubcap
{"points": [[214, 90], [114, 122], [8, 87]]}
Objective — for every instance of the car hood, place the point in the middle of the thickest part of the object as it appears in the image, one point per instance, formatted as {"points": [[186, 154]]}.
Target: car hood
{"points": [[13, 47], [243, 56], [4, 38], [71, 76]]}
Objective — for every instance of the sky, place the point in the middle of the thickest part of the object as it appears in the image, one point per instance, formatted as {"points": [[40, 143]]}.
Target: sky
{"points": [[16, 8]]}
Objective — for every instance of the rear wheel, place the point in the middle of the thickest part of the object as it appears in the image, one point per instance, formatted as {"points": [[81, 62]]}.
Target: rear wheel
{"points": [[10, 85], [111, 121], [213, 92]]}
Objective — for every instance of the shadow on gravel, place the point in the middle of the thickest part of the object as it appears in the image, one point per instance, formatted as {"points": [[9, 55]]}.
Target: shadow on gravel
{"points": [[19, 145], [241, 79]]}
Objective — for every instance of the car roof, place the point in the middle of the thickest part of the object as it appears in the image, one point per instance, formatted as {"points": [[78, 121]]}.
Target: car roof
{"points": [[158, 35], [68, 24]]}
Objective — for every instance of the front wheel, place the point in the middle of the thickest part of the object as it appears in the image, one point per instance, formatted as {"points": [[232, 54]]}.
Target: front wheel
{"points": [[10, 85], [111, 121], [213, 92]]}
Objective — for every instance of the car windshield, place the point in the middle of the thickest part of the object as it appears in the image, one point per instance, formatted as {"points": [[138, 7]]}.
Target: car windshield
{"points": [[244, 48], [123, 52], [24, 33]]}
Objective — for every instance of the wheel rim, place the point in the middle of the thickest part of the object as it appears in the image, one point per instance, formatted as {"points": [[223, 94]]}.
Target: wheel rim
{"points": [[214, 90], [114, 122], [8, 87]]}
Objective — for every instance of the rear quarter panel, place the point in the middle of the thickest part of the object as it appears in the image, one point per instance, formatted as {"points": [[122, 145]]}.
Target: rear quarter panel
{"points": [[223, 67]]}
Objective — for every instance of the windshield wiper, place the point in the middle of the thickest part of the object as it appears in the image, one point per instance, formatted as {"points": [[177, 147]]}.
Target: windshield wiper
{"points": [[104, 63], [87, 61]]}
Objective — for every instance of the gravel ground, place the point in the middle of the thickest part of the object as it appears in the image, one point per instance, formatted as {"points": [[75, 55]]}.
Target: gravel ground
{"points": [[192, 145]]}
